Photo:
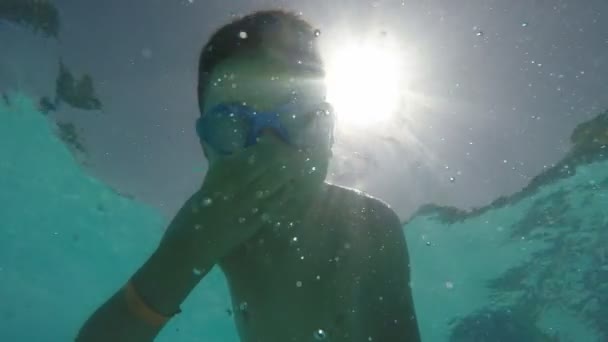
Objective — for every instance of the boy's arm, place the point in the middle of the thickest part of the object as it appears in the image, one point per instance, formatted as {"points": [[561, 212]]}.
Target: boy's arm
{"points": [[386, 292], [163, 282]]}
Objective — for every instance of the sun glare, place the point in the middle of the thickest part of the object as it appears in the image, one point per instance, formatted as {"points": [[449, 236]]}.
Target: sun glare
{"points": [[363, 83]]}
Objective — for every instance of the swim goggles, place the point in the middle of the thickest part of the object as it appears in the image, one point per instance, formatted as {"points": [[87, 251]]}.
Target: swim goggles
{"points": [[230, 127]]}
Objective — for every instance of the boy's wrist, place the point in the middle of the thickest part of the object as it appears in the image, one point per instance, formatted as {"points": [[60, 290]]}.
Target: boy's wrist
{"points": [[140, 308], [164, 281]]}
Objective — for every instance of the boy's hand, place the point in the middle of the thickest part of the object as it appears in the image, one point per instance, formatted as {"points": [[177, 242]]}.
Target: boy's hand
{"points": [[240, 194]]}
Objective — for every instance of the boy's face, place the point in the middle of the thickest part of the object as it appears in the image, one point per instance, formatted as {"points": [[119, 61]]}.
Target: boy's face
{"points": [[265, 81]]}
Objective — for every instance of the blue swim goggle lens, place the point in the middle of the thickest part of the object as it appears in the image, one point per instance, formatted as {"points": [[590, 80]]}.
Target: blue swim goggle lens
{"points": [[230, 127]]}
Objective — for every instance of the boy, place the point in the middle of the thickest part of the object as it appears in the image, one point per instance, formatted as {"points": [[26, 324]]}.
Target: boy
{"points": [[305, 260]]}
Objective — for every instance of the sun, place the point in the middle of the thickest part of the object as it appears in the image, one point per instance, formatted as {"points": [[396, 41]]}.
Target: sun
{"points": [[364, 82]]}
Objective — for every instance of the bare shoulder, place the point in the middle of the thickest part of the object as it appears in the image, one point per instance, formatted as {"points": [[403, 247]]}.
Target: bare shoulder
{"points": [[371, 210], [369, 222]]}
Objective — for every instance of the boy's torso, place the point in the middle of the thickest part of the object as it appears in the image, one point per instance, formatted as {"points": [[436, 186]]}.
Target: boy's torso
{"points": [[299, 283]]}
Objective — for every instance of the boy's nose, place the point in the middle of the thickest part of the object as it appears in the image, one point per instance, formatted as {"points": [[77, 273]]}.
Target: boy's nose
{"points": [[271, 131]]}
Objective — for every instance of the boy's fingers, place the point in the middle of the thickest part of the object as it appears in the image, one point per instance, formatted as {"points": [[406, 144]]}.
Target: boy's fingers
{"points": [[273, 204], [277, 170], [269, 185]]}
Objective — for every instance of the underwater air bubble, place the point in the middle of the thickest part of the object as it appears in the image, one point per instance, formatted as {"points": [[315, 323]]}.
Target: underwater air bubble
{"points": [[320, 335], [243, 306], [146, 53]]}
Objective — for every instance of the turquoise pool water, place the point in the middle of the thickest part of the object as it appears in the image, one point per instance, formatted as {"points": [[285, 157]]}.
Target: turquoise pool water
{"points": [[68, 241]]}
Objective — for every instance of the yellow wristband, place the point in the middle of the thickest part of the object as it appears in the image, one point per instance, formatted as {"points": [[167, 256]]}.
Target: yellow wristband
{"points": [[141, 310]]}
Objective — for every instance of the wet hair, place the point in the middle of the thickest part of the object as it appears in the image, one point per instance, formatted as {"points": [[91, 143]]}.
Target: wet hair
{"points": [[284, 31]]}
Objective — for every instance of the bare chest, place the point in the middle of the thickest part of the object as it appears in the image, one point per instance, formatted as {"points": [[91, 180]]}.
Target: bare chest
{"points": [[294, 282]]}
